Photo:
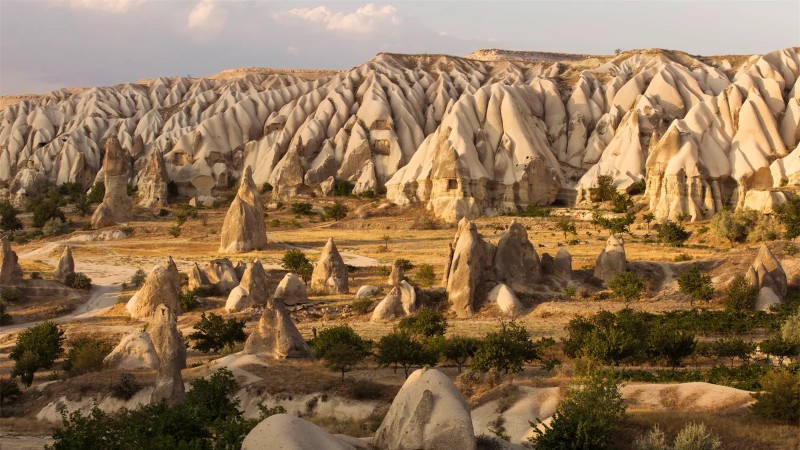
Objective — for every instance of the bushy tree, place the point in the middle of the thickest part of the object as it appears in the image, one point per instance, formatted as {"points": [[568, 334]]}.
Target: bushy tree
{"points": [[425, 275], [138, 278], [614, 224], [586, 419], [732, 348], [740, 295], [648, 218], [55, 227], [45, 210], [459, 349], [603, 189], [78, 280], [505, 350], [426, 322], [97, 192], [789, 215], [672, 344], [9, 391], [733, 226], [340, 348], [565, 225], [695, 285], [8, 217], [336, 211], [405, 350], [672, 233], [215, 333], [36, 348], [297, 262], [779, 399], [86, 355], [301, 208], [627, 285], [620, 202]]}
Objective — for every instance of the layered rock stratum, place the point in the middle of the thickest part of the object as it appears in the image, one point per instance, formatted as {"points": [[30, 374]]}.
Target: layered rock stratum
{"points": [[463, 136]]}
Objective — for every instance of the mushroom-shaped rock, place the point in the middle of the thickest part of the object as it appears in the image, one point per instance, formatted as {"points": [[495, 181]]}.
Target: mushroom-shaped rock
{"points": [[153, 181], [368, 291], [134, 352], [330, 273], [171, 350], [504, 298], [10, 270], [66, 266], [286, 432], [397, 273], [116, 206], [400, 302], [515, 260], [428, 413], [161, 287], [244, 228], [252, 290], [612, 260], [221, 274], [469, 266], [291, 290], [562, 264], [276, 335]]}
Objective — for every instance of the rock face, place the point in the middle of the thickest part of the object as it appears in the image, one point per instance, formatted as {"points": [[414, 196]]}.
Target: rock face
{"points": [[221, 274], [10, 270], [134, 352], [291, 290], [116, 206], [400, 302], [244, 228], [612, 260], [516, 262], [768, 275], [397, 273], [285, 432], [276, 336], [198, 278], [171, 350], [505, 300], [252, 289], [153, 181], [161, 287], [428, 413], [66, 266], [562, 264], [368, 291], [330, 273]]}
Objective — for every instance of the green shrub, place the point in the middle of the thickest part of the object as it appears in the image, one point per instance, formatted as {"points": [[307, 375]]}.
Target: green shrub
{"points": [[695, 436], [403, 349], [789, 215], [125, 387], [671, 233], [9, 391], [733, 226], [766, 228], [652, 440], [779, 399], [343, 188], [425, 276], [8, 217], [740, 295], [301, 208], [5, 318], [505, 350], [296, 261], [55, 227], [36, 348], [361, 306], [695, 285], [459, 349], [603, 189], [732, 348], [86, 355], [426, 323], [215, 333], [627, 285], [97, 192], [534, 211], [45, 210], [683, 257], [12, 294], [405, 265], [175, 231], [620, 202], [337, 211], [138, 278], [340, 348], [188, 300], [78, 280]]}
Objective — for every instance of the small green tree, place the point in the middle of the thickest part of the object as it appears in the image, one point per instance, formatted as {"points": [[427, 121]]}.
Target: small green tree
{"points": [[620, 202], [586, 419], [627, 285], [215, 333], [401, 348], [36, 348], [78, 280], [603, 189], [340, 348], [731, 226], [672, 344], [506, 350], [459, 349], [565, 225], [138, 277], [672, 233], [5, 318], [779, 348], [740, 295], [45, 210], [695, 285], [789, 215], [9, 391], [86, 355], [790, 330], [97, 192], [301, 208], [779, 399], [426, 322], [732, 348], [425, 276], [8, 217], [297, 262], [336, 211], [82, 205], [648, 218]]}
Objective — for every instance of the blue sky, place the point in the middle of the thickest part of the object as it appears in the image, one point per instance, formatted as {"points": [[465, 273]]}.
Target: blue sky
{"points": [[48, 44]]}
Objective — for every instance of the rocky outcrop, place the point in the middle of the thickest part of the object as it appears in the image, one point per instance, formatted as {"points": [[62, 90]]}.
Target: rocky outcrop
{"points": [[161, 287], [276, 336], [171, 350], [612, 260], [10, 270], [252, 289], [291, 290], [198, 278], [516, 262], [562, 264], [400, 302], [428, 413], [153, 181], [286, 432], [330, 273], [767, 274], [116, 206], [134, 352], [504, 299], [244, 228], [66, 266], [469, 266], [368, 291], [221, 274], [397, 273]]}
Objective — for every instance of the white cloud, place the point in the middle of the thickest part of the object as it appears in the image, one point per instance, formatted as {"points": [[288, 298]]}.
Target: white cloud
{"points": [[207, 19], [110, 6], [365, 19]]}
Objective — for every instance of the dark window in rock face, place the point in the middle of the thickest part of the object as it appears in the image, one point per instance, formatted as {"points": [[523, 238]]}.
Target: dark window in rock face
{"points": [[382, 145], [452, 185], [381, 124]]}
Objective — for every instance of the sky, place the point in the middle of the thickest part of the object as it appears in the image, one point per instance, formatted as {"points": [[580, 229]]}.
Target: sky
{"points": [[50, 44]]}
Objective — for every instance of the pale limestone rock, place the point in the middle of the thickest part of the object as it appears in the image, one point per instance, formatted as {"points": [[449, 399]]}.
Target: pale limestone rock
{"points": [[400, 302], [764, 201], [330, 273], [171, 350], [221, 274], [767, 274], [252, 289], [291, 290], [134, 352], [516, 262], [612, 260], [161, 287], [368, 291], [562, 264], [469, 266], [66, 266], [276, 335], [153, 181], [244, 228], [285, 432], [116, 206], [397, 274], [10, 270], [198, 278], [505, 300]]}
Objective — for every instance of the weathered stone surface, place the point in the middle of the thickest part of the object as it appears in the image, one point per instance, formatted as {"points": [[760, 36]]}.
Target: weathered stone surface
{"points": [[291, 290], [330, 273], [612, 260], [153, 181], [198, 278], [254, 287], [469, 266], [161, 287], [221, 274], [562, 264], [504, 298], [768, 275], [397, 273], [116, 206], [516, 262], [276, 335], [171, 350], [428, 413], [400, 302], [244, 228], [134, 352], [66, 265], [285, 432], [10, 270], [368, 291]]}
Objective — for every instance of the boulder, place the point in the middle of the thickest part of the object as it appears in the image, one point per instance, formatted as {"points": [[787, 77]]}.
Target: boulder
{"points": [[286, 432], [516, 262], [368, 291], [66, 266], [767, 274], [10, 270], [330, 273], [198, 278], [428, 413], [276, 335], [116, 206], [161, 287], [469, 266], [291, 290], [221, 274], [400, 302], [171, 350], [562, 264], [254, 287], [134, 352], [504, 298], [397, 273], [244, 228], [612, 260], [153, 181]]}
